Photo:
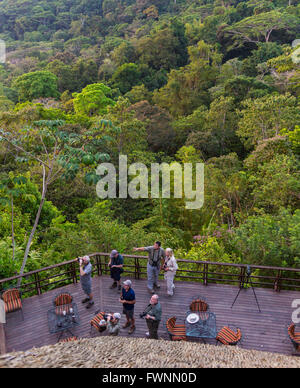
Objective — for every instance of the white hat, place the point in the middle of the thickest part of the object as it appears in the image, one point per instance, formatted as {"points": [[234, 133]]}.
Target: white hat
{"points": [[117, 315], [127, 283]]}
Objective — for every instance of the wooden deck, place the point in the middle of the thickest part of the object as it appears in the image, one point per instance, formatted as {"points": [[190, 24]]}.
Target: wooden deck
{"points": [[266, 331]]}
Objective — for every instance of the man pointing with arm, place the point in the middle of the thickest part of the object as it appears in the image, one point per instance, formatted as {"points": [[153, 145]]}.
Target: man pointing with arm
{"points": [[155, 254]]}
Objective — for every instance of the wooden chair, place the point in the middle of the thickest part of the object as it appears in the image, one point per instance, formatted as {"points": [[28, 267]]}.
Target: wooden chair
{"points": [[12, 301], [198, 305], [63, 298], [69, 339], [228, 337], [294, 337], [95, 322], [63, 302], [176, 332]]}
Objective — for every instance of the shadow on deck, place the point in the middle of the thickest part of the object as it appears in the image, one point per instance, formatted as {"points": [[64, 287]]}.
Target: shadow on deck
{"points": [[265, 330]]}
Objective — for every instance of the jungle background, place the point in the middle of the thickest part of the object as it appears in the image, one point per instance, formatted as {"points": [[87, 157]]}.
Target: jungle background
{"points": [[212, 81]]}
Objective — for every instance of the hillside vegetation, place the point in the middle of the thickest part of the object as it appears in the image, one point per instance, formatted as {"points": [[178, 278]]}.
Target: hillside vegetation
{"points": [[212, 81]]}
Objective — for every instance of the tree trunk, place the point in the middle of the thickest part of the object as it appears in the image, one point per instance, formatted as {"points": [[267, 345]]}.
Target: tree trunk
{"points": [[12, 227], [37, 218]]}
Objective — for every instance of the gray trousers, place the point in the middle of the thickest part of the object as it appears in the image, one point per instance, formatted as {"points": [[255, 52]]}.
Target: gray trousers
{"points": [[152, 274], [169, 276]]}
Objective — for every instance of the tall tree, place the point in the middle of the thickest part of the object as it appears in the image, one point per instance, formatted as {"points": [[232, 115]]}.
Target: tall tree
{"points": [[265, 117], [259, 28], [55, 151], [36, 84], [93, 99]]}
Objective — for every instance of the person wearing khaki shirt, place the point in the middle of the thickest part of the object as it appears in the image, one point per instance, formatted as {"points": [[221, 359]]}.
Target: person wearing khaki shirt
{"points": [[155, 253]]}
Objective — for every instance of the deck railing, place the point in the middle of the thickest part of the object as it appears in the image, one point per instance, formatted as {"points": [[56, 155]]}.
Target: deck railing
{"points": [[44, 279]]}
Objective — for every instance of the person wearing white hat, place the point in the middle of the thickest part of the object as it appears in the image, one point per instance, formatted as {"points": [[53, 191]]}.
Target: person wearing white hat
{"points": [[113, 323], [170, 267], [85, 268]]}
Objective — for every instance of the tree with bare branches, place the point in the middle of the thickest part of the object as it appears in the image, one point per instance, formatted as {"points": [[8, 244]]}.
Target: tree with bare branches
{"points": [[58, 151]]}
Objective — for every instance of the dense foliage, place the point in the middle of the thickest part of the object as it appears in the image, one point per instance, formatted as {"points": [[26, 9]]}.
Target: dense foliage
{"points": [[186, 81]]}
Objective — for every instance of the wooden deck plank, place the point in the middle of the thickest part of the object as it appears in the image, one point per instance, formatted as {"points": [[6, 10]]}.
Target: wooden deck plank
{"points": [[261, 331], [2, 339]]}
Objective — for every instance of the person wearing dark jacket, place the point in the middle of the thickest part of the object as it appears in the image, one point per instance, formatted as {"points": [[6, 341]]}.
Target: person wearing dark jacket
{"points": [[116, 268], [127, 298]]}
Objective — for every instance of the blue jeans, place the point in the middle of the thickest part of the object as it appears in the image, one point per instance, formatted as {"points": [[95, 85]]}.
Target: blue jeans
{"points": [[152, 273]]}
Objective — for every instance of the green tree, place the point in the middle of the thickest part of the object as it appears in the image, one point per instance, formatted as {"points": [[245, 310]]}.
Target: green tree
{"points": [[36, 84], [125, 133], [241, 87], [217, 134], [266, 151], [160, 134], [96, 230], [66, 79], [187, 88], [264, 53], [54, 151], [191, 124], [124, 53], [226, 191], [125, 77], [139, 93], [5, 104], [10, 190], [294, 138], [269, 240], [276, 184], [165, 48], [85, 72], [259, 28], [93, 100], [264, 117]]}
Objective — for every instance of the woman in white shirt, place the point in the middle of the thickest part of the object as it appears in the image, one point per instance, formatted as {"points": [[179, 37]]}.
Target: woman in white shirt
{"points": [[170, 268]]}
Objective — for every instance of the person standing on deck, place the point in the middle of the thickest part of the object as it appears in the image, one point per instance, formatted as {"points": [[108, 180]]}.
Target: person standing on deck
{"points": [[116, 268], [153, 317], [127, 298], [170, 267], [85, 268], [155, 253]]}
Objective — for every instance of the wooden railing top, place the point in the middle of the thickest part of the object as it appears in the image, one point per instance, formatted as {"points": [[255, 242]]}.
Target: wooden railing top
{"points": [[261, 267]]}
